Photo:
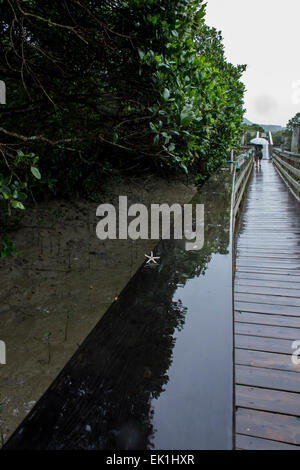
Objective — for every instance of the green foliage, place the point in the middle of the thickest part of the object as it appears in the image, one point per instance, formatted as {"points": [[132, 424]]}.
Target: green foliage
{"points": [[7, 248], [295, 121], [94, 86], [13, 191], [282, 136], [250, 130], [253, 128]]}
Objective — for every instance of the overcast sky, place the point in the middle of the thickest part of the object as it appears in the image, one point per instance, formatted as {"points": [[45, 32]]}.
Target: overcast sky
{"points": [[265, 35]]}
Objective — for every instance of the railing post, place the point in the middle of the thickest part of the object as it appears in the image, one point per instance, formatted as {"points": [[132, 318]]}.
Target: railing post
{"points": [[231, 159], [296, 139]]}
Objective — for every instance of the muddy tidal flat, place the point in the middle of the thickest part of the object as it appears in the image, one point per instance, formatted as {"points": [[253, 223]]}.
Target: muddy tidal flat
{"points": [[54, 294]]}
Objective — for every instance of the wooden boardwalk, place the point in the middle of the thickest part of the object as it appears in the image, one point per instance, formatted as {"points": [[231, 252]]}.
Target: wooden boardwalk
{"points": [[267, 316]]}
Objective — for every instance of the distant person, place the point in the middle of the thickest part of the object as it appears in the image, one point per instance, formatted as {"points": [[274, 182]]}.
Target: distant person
{"points": [[258, 155]]}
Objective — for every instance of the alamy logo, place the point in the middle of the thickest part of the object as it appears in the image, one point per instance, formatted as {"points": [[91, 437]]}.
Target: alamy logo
{"points": [[2, 352], [160, 222], [296, 355], [2, 92]]}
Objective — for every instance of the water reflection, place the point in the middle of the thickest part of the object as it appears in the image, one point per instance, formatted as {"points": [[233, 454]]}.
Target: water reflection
{"points": [[156, 371]]}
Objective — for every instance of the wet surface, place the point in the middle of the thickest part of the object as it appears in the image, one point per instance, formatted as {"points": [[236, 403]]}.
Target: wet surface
{"points": [[267, 316], [156, 371], [53, 295]]}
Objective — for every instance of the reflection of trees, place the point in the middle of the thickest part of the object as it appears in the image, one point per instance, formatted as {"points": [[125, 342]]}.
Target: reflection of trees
{"points": [[102, 398], [216, 200]]}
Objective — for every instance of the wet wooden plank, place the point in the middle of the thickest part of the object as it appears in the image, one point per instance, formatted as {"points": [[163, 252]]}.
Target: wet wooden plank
{"points": [[266, 267], [269, 252], [267, 378], [280, 346], [270, 257], [274, 238], [267, 261], [268, 299], [267, 331], [265, 360], [267, 308], [267, 216], [265, 290], [259, 225], [256, 230], [240, 275], [275, 427], [266, 319], [276, 401], [284, 273], [290, 232], [255, 443], [251, 228], [260, 247], [267, 225]]}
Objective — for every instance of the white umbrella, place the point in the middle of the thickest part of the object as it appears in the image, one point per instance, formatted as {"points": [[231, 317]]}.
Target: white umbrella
{"points": [[259, 141]]}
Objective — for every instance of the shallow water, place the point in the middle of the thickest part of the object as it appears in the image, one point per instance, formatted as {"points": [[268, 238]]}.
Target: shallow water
{"points": [[52, 296], [195, 411], [156, 371]]}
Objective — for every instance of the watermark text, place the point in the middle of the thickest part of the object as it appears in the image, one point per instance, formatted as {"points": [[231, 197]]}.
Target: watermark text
{"points": [[137, 222], [2, 352], [2, 92], [296, 354]]}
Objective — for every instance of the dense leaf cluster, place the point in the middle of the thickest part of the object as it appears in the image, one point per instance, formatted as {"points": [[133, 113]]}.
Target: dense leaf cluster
{"points": [[96, 85], [295, 121]]}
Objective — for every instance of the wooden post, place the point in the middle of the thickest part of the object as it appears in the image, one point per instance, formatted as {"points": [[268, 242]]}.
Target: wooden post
{"points": [[296, 139]]}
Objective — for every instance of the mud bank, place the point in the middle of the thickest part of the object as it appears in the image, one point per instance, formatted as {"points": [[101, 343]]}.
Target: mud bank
{"points": [[52, 296]]}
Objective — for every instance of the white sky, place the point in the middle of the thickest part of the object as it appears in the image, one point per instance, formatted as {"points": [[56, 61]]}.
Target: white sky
{"points": [[264, 34]]}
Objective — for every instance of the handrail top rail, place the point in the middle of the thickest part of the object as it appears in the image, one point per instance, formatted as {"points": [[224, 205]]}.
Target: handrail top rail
{"points": [[292, 154], [244, 155], [240, 176]]}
